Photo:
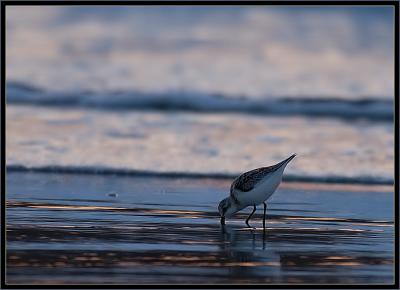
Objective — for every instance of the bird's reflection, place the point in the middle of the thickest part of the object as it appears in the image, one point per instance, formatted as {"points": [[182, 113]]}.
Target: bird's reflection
{"points": [[238, 238], [241, 247]]}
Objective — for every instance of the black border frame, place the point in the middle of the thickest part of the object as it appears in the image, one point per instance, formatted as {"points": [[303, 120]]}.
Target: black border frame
{"points": [[395, 5]]}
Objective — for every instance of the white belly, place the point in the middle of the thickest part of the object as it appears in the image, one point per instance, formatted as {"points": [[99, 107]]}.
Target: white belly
{"points": [[262, 191]]}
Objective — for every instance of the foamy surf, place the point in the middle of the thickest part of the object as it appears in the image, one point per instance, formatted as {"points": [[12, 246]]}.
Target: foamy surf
{"points": [[363, 107]]}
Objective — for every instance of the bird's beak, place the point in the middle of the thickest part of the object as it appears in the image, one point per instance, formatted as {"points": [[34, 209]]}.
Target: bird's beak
{"points": [[222, 220]]}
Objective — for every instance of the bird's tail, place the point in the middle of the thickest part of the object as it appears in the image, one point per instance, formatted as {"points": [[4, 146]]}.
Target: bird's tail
{"points": [[286, 161]]}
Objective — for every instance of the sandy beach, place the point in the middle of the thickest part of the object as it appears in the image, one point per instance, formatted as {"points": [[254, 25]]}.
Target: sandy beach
{"points": [[70, 229]]}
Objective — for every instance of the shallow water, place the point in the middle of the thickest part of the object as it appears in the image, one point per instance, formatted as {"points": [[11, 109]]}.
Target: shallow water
{"points": [[125, 229]]}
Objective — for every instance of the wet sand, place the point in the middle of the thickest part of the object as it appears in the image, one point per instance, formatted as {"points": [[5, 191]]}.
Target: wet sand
{"points": [[72, 229]]}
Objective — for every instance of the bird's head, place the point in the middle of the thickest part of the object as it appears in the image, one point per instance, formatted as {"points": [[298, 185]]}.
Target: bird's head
{"points": [[227, 208]]}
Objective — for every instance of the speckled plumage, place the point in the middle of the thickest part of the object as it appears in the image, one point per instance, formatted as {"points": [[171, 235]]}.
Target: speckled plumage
{"points": [[249, 180]]}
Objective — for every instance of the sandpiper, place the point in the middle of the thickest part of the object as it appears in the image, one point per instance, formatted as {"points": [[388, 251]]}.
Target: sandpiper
{"points": [[252, 188]]}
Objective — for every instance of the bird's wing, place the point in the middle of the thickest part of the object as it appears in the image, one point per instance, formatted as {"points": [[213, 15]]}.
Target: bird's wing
{"points": [[248, 180]]}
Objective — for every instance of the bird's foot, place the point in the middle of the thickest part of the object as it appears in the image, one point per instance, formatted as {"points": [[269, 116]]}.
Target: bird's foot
{"points": [[249, 226]]}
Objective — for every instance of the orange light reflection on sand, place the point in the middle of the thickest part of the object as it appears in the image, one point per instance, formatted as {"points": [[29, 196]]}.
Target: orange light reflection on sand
{"points": [[74, 207], [82, 207]]}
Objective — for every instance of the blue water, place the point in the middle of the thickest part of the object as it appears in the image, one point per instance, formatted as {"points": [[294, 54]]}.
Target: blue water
{"points": [[124, 229]]}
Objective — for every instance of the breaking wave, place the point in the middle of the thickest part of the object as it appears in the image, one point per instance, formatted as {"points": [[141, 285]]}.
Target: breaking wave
{"points": [[379, 109]]}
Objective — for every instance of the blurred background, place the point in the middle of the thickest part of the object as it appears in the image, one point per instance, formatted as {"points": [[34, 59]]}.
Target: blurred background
{"points": [[216, 89], [146, 96]]}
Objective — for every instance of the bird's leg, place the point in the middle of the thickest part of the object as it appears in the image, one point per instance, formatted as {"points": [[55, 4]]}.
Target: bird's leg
{"points": [[264, 239], [247, 220], [222, 220], [265, 210]]}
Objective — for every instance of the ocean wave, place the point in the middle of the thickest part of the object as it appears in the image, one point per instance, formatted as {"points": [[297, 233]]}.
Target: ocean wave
{"points": [[371, 180], [367, 108]]}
